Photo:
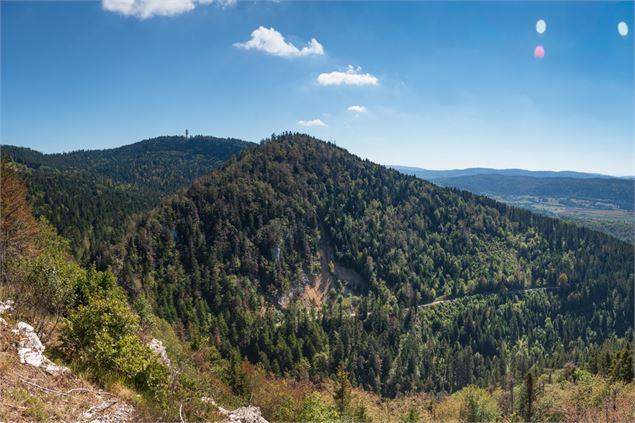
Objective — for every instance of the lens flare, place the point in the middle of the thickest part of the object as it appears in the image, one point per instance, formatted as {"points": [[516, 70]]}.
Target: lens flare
{"points": [[539, 52], [541, 26], [622, 28]]}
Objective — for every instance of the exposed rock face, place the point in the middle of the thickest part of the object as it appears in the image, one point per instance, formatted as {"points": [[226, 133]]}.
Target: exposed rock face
{"points": [[249, 414], [158, 347], [31, 350]]}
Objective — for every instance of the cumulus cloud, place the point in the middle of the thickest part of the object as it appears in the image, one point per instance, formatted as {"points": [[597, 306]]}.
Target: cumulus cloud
{"points": [[351, 76], [356, 109], [313, 122], [144, 9], [272, 42]]}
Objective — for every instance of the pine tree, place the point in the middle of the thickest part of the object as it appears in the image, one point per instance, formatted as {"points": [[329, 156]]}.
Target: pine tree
{"points": [[236, 375], [342, 394], [622, 367], [529, 397]]}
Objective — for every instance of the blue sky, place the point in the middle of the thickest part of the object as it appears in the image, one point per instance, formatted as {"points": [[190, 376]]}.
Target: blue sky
{"points": [[442, 84]]}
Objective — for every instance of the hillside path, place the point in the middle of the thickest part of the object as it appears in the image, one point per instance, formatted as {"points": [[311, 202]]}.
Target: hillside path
{"points": [[515, 291]]}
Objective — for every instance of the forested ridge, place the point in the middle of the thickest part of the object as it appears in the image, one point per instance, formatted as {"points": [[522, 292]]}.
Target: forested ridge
{"points": [[230, 260], [88, 195]]}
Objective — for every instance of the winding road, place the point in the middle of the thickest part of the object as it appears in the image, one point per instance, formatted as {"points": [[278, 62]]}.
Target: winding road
{"points": [[515, 291]]}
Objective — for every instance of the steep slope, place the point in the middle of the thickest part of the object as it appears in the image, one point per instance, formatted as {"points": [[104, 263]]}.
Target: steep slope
{"points": [[230, 258], [89, 195], [31, 391]]}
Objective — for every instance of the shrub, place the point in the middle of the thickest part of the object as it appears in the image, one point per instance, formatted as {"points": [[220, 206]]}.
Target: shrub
{"points": [[102, 337], [470, 404], [315, 409]]}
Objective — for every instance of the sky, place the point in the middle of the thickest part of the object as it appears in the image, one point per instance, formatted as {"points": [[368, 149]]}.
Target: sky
{"points": [[437, 85]]}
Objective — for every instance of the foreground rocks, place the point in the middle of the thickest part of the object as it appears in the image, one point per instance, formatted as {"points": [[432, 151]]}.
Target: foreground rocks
{"points": [[33, 388], [31, 350], [249, 414]]}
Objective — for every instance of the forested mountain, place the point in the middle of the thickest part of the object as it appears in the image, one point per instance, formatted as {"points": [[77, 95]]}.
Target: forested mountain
{"points": [[89, 195], [305, 258]]}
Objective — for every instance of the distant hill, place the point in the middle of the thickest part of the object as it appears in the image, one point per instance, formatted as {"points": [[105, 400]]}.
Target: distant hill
{"points": [[602, 193], [90, 194], [452, 173], [158, 164], [598, 202]]}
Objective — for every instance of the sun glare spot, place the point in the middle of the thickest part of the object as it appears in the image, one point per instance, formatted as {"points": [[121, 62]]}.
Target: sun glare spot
{"points": [[541, 26]]}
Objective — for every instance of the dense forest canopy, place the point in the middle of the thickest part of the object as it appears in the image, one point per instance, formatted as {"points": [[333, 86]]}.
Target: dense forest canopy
{"points": [[89, 195], [301, 255]]}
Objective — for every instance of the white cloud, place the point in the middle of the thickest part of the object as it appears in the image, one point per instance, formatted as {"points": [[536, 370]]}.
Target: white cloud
{"points": [[352, 76], [272, 42], [356, 109], [144, 9], [314, 122]]}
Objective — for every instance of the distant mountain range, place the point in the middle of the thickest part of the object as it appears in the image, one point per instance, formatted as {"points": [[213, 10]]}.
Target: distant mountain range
{"points": [[600, 202], [452, 173]]}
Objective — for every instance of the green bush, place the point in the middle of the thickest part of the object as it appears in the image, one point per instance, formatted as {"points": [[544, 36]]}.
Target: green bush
{"points": [[470, 404], [102, 337], [315, 409]]}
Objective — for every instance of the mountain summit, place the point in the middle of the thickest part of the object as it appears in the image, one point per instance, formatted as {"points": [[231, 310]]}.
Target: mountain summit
{"points": [[298, 253]]}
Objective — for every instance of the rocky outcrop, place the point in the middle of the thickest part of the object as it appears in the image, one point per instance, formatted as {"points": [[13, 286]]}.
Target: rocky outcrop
{"points": [[31, 350], [61, 396], [5, 306], [249, 414], [158, 347]]}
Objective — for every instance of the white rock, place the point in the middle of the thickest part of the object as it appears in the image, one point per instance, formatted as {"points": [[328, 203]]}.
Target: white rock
{"points": [[6, 306], [249, 414], [208, 400], [31, 349], [158, 347]]}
